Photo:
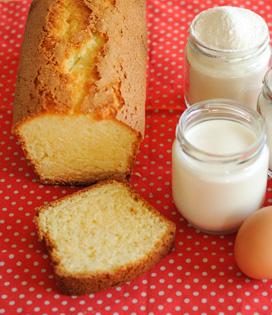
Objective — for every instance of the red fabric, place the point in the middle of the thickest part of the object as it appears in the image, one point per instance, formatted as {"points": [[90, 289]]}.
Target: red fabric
{"points": [[200, 275]]}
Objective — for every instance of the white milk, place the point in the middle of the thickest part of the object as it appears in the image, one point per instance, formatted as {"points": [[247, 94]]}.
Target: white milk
{"points": [[217, 196], [227, 56]]}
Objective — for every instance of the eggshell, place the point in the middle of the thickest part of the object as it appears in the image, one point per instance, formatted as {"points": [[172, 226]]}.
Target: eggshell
{"points": [[253, 245]]}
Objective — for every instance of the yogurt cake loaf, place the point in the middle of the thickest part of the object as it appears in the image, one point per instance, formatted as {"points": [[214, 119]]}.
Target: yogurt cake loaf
{"points": [[102, 236], [79, 103]]}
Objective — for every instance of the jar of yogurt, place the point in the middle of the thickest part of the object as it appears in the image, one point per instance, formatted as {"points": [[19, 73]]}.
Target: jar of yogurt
{"points": [[219, 165], [265, 109], [227, 56]]}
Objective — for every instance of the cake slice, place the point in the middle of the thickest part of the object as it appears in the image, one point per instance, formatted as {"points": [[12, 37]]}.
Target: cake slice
{"points": [[102, 236]]}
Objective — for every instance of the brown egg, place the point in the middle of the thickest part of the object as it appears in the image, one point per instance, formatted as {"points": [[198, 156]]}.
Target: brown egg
{"points": [[253, 245]]}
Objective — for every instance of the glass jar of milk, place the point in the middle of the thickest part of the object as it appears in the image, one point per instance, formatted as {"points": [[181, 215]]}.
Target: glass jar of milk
{"points": [[219, 165], [265, 109], [227, 56]]}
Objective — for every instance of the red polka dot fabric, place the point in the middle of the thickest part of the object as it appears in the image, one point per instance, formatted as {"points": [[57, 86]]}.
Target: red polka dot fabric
{"points": [[200, 275]]}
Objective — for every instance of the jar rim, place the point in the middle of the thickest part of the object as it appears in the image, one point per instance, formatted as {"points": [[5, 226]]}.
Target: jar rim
{"points": [[267, 81], [228, 54], [216, 109]]}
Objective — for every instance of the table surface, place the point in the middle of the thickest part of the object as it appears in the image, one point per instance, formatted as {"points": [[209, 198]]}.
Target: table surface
{"points": [[200, 275]]}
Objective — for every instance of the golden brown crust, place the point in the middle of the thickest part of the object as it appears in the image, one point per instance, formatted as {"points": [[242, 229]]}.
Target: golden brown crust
{"points": [[30, 59], [89, 283], [120, 64]]}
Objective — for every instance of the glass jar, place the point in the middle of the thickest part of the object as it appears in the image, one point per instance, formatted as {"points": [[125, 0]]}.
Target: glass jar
{"points": [[219, 165], [228, 74], [265, 109]]}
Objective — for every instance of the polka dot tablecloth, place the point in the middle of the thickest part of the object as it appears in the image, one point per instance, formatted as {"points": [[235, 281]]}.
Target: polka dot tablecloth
{"points": [[200, 275]]}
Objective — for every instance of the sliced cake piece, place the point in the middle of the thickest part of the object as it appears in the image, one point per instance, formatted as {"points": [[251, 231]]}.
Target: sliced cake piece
{"points": [[102, 236]]}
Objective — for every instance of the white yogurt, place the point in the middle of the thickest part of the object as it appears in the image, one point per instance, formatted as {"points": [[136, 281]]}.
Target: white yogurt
{"points": [[219, 171], [220, 137]]}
